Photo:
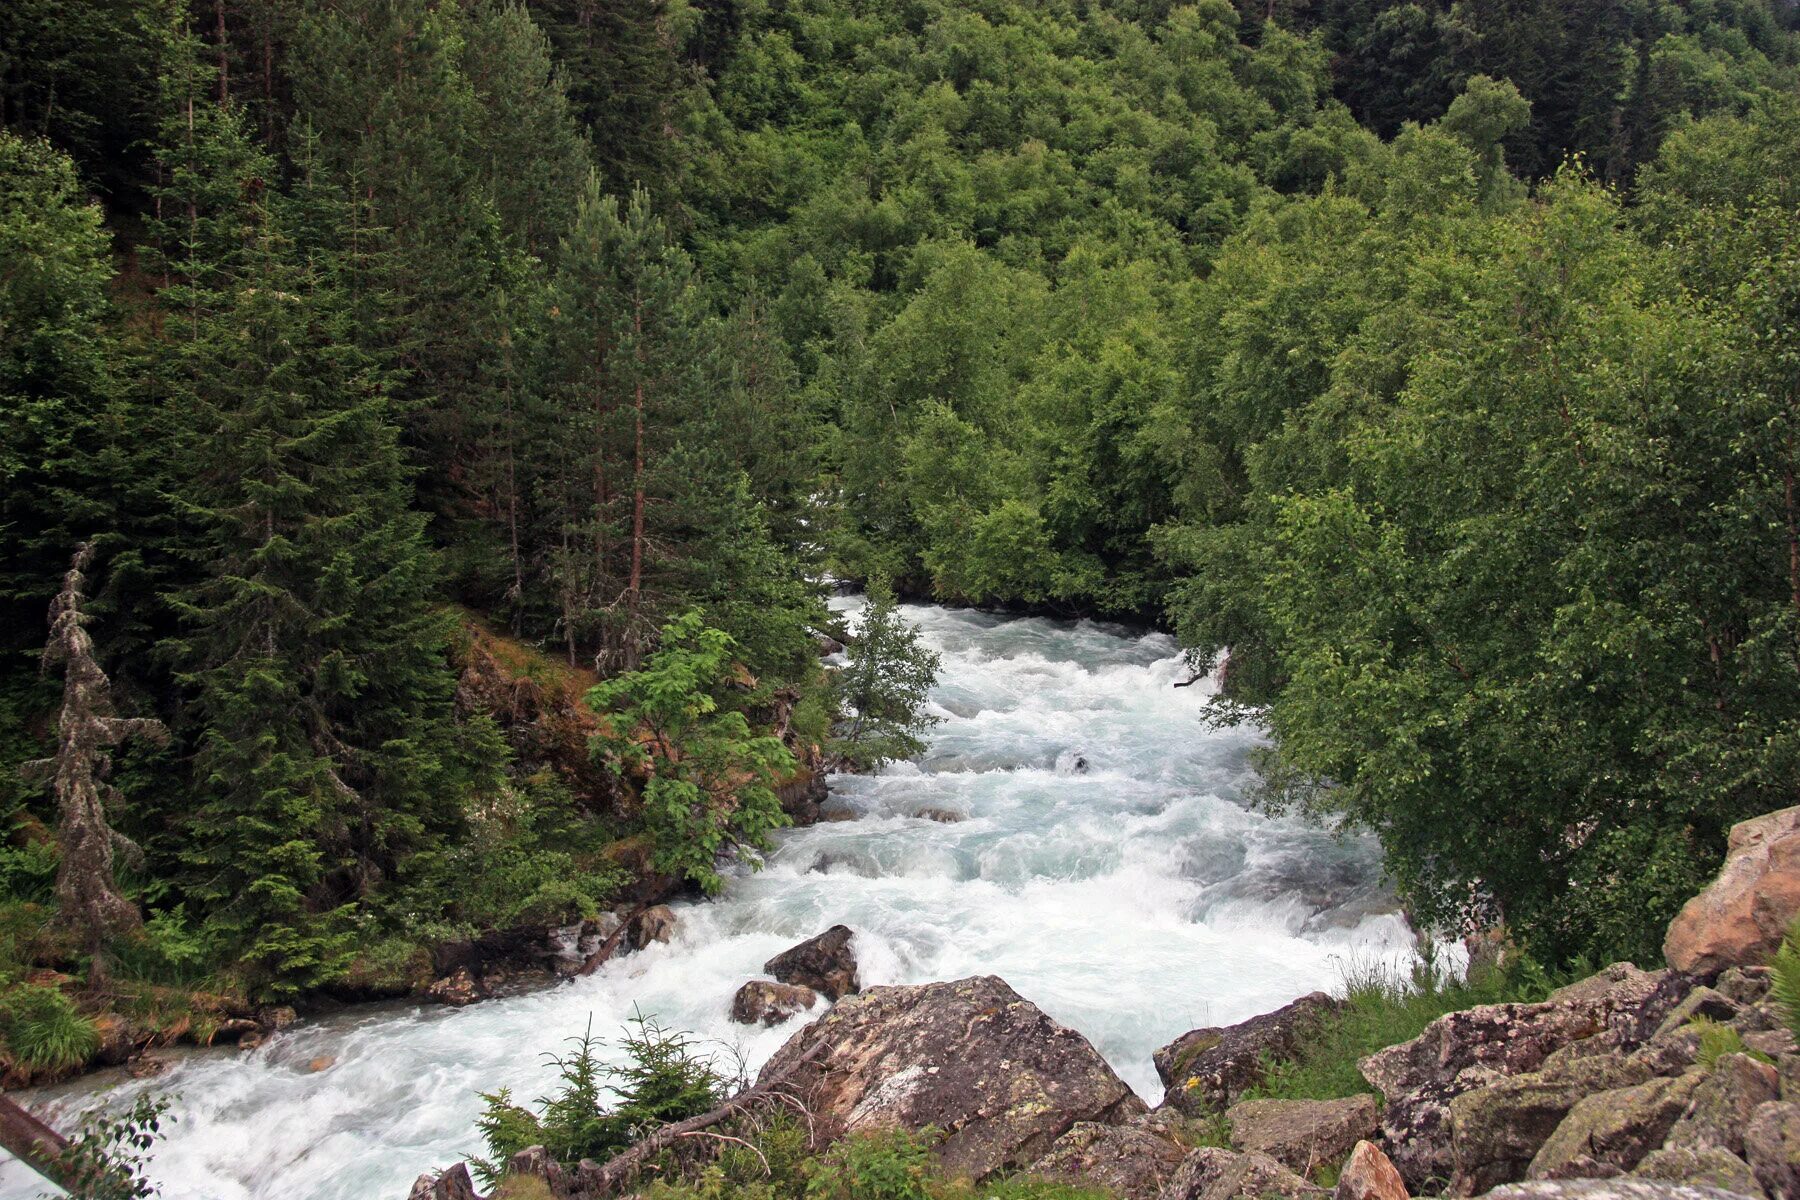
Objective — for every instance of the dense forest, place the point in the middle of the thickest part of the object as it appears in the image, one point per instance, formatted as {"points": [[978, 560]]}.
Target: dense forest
{"points": [[1432, 367]]}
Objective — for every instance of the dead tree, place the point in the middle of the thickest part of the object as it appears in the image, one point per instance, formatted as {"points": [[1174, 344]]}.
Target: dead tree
{"points": [[87, 893]]}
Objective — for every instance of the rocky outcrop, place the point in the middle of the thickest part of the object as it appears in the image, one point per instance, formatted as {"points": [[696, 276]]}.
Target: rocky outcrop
{"points": [[826, 964], [1135, 1160], [1303, 1135], [1209, 1070], [1740, 918], [761, 1002], [1607, 1189], [1496, 1131], [1700, 1168], [971, 1058], [1212, 1174], [1609, 1133], [1479, 1047], [1368, 1175], [1772, 1148]]}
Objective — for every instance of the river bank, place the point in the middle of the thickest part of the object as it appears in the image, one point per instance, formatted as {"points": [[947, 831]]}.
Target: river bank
{"points": [[1102, 864]]}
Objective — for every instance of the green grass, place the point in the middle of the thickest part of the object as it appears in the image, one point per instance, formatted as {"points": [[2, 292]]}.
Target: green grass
{"points": [[1384, 1008]]}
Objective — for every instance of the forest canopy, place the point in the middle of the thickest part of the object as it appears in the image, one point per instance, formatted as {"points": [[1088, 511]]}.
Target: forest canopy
{"points": [[1431, 368]]}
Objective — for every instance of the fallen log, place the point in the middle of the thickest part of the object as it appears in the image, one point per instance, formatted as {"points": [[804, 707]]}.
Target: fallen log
{"points": [[612, 941], [35, 1144]]}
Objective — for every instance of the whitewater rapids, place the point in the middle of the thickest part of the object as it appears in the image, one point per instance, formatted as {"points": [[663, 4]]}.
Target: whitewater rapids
{"points": [[1105, 867]]}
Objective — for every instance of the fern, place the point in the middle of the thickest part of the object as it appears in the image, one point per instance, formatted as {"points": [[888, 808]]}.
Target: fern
{"points": [[1784, 983], [1717, 1040]]}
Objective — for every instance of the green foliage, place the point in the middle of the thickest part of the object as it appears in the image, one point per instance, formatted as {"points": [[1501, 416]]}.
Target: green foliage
{"points": [[1717, 1040], [662, 1080], [708, 778], [110, 1153], [1784, 977], [892, 1165], [41, 1030], [883, 687]]}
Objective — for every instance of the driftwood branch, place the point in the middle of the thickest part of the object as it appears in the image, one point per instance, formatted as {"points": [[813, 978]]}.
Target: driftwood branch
{"points": [[612, 941]]}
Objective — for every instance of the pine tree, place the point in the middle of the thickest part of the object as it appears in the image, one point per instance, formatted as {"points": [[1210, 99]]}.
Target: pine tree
{"points": [[326, 749]]}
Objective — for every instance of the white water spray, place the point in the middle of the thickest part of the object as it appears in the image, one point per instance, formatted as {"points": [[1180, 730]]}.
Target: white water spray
{"points": [[1103, 867]]}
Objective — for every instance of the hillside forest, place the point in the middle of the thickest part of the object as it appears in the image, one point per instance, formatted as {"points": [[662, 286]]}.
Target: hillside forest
{"points": [[379, 375]]}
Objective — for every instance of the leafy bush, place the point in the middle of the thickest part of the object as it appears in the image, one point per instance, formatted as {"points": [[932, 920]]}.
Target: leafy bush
{"points": [[889, 1165], [110, 1153], [1784, 977], [41, 1032], [709, 778], [663, 1080]]}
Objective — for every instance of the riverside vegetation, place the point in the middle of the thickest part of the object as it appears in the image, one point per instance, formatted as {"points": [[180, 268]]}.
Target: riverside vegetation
{"points": [[408, 381]]}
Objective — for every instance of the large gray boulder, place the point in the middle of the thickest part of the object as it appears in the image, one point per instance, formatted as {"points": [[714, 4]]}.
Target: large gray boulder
{"points": [[1208, 1070], [972, 1058], [1705, 1168], [1609, 1133], [1740, 918], [826, 964]]}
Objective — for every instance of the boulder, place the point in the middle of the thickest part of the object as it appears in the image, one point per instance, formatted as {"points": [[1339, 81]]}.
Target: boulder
{"points": [[1702, 1002], [1740, 918], [1477, 1047], [1607, 1189], [654, 924], [1744, 985], [1496, 1130], [457, 989], [1303, 1134], [1208, 1070], [825, 964], [1723, 1104], [760, 1001], [1212, 1174], [1772, 1148], [1368, 1175], [1609, 1133], [1706, 1168], [1134, 1161], [973, 1059], [453, 1184]]}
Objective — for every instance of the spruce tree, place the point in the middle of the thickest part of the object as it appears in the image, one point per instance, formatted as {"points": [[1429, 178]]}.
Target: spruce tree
{"points": [[321, 702]]}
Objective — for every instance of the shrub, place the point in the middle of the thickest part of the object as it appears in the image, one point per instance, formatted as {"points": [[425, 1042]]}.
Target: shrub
{"points": [[42, 1032], [1784, 977], [663, 1080]]}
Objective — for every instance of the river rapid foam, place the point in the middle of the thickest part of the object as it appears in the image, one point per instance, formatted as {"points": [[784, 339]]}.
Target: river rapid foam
{"points": [[1103, 865]]}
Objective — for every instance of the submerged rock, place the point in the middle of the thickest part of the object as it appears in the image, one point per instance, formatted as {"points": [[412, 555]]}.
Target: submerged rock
{"points": [[763, 1002], [826, 964], [971, 1058], [1740, 918], [1209, 1070], [654, 924], [1303, 1135]]}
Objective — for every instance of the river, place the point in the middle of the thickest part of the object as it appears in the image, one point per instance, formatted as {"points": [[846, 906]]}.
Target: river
{"points": [[1105, 867]]}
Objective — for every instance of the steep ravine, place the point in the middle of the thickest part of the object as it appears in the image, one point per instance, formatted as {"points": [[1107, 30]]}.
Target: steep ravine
{"points": [[1074, 828]]}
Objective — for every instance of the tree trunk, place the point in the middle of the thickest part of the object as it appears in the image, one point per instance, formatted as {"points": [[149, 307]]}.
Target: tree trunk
{"points": [[35, 1144]]}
